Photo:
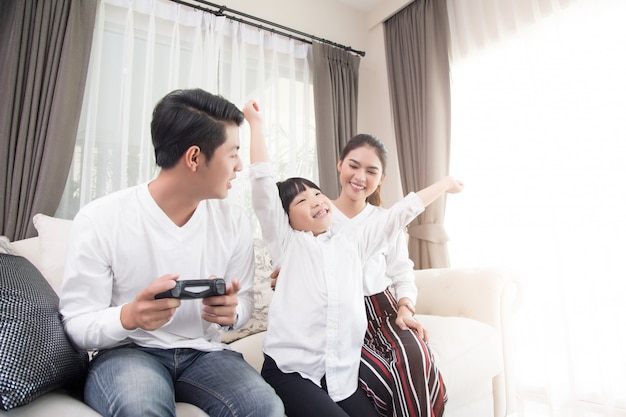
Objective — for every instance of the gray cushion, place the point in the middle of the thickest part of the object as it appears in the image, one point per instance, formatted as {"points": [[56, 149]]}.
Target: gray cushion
{"points": [[35, 354]]}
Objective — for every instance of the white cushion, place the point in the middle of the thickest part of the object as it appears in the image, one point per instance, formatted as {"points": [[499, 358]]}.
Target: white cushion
{"points": [[54, 403], [53, 237], [251, 347], [467, 352], [28, 248], [5, 246], [58, 403]]}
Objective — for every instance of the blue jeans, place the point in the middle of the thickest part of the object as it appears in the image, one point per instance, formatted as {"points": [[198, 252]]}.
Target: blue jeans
{"points": [[134, 381]]}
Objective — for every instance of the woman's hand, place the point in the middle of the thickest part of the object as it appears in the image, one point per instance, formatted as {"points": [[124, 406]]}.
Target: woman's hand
{"points": [[454, 185], [405, 320]]}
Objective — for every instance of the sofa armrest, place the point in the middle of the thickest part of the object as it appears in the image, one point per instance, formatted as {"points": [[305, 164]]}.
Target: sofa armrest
{"points": [[488, 294], [485, 294]]}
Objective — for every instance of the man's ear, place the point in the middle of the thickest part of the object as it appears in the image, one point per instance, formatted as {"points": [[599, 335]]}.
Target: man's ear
{"points": [[191, 157]]}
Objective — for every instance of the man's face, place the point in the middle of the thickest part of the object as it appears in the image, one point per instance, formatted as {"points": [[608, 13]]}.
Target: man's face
{"points": [[223, 167], [310, 211]]}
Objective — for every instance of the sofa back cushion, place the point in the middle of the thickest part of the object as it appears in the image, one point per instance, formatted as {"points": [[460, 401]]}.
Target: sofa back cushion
{"points": [[53, 234], [5, 246]]}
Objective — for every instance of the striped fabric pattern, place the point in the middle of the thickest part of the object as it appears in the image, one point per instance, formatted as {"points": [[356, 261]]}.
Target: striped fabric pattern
{"points": [[397, 371]]}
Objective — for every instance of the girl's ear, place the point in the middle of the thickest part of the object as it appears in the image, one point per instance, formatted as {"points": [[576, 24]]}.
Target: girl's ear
{"points": [[339, 163], [382, 179]]}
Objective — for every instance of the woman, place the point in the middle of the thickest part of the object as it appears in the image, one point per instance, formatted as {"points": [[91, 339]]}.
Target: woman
{"points": [[397, 368]]}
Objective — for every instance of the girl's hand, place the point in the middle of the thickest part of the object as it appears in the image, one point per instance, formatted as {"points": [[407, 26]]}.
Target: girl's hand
{"points": [[251, 112]]}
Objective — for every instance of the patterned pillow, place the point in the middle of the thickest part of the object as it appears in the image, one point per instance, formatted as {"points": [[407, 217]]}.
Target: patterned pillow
{"points": [[35, 354], [262, 296]]}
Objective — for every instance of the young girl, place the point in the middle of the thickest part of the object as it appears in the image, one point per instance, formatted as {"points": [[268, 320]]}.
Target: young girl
{"points": [[397, 369], [317, 317]]}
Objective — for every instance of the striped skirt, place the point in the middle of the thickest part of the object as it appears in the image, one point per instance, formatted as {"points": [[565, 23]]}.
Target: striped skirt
{"points": [[397, 368]]}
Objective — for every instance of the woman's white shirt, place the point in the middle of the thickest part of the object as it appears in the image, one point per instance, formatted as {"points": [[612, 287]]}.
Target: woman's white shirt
{"points": [[391, 266]]}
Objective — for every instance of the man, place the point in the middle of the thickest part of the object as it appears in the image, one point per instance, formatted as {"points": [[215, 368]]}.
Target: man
{"points": [[128, 247]]}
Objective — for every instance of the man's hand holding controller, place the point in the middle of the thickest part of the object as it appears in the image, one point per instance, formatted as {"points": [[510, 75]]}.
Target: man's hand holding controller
{"points": [[222, 309], [148, 313], [198, 288], [154, 306]]}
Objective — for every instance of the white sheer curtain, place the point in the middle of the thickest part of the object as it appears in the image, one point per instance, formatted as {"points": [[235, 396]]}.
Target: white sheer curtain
{"points": [[539, 136], [142, 50]]}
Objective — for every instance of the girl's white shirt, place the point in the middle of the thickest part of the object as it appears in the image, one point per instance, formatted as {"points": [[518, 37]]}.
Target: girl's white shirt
{"points": [[317, 318], [391, 266]]}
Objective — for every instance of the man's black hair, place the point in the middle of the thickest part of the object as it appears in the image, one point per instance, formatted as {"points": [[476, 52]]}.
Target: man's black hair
{"points": [[184, 118]]}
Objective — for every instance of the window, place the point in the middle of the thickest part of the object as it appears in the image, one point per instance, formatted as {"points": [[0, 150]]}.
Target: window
{"points": [[144, 49], [539, 137]]}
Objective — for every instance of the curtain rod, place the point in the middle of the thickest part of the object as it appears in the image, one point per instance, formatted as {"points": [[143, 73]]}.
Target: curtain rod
{"points": [[284, 30]]}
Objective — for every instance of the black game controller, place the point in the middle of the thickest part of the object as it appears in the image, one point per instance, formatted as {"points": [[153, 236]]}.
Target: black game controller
{"points": [[196, 288]]}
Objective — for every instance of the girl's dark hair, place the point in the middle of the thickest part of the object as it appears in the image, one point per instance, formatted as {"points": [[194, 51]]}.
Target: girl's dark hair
{"points": [[291, 187], [359, 141], [185, 118]]}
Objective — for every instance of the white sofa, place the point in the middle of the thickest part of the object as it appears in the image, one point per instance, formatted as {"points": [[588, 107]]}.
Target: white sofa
{"points": [[467, 312]]}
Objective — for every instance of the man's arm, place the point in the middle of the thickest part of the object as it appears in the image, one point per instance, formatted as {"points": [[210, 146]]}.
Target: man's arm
{"points": [[89, 317], [236, 307]]}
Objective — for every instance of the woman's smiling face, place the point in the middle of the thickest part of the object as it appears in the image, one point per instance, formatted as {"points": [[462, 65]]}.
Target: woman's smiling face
{"points": [[360, 173]]}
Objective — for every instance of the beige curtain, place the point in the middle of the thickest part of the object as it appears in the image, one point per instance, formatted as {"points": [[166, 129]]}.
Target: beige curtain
{"points": [[335, 91], [416, 42], [44, 53]]}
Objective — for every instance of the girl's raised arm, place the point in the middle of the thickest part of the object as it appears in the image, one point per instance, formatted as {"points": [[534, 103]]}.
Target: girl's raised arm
{"points": [[258, 148]]}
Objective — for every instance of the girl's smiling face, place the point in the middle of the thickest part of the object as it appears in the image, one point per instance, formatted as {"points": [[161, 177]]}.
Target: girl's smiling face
{"points": [[310, 211]]}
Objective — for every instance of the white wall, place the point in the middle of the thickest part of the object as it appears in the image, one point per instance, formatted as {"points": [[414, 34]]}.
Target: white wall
{"points": [[340, 23]]}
